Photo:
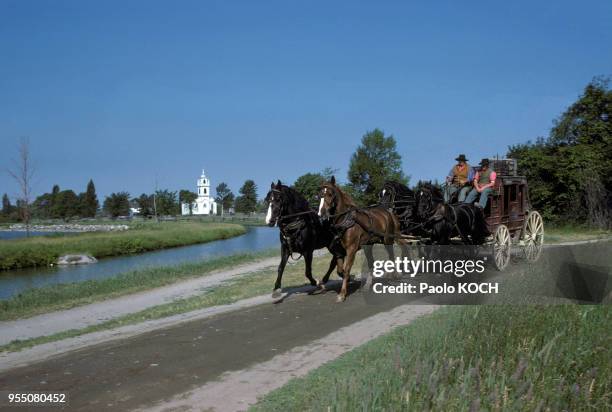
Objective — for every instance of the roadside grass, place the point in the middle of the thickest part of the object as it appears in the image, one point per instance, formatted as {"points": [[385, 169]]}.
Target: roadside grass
{"points": [[572, 233], [469, 358], [141, 237], [65, 296], [246, 286]]}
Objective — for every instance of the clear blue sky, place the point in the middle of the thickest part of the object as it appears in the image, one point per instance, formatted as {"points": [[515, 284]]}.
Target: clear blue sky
{"points": [[123, 91]]}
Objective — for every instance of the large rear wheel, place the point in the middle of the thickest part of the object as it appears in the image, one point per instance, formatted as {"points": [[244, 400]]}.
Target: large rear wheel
{"points": [[502, 247], [533, 236]]}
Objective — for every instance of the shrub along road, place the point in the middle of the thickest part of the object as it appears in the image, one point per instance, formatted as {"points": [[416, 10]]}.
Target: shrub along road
{"points": [[156, 367]]}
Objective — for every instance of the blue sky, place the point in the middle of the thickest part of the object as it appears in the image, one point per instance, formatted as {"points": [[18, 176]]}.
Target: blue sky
{"points": [[122, 92]]}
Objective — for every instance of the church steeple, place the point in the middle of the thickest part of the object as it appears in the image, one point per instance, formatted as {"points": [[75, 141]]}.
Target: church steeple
{"points": [[203, 186]]}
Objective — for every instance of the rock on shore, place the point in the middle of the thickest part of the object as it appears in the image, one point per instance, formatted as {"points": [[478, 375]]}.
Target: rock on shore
{"points": [[76, 260]]}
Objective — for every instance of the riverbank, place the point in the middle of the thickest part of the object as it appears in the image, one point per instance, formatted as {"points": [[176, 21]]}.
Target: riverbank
{"points": [[231, 284], [141, 237], [69, 295]]}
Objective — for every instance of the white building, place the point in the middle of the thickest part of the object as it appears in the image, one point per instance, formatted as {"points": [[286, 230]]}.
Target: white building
{"points": [[204, 204]]}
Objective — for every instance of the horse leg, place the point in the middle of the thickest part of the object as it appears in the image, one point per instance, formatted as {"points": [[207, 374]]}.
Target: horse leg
{"points": [[351, 251], [308, 260], [332, 265], [281, 268]]}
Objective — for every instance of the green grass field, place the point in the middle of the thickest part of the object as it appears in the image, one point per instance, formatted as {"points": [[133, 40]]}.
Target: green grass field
{"points": [[469, 358], [141, 237]]}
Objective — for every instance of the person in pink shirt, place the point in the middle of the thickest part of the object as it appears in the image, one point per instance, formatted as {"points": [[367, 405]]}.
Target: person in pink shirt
{"points": [[484, 181]]}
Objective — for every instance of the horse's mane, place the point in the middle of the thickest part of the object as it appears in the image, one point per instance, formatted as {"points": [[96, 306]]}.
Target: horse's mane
{"points": [[399, 188], [433, 189], [346, 198], [295, 201]]}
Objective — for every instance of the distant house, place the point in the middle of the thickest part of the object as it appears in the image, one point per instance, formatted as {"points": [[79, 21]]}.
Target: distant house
{"points": [[204, 204]]}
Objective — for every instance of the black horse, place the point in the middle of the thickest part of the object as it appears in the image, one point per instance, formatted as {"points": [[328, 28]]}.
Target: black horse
{"points": [[301, 231], [398, 198], [444, 221]]}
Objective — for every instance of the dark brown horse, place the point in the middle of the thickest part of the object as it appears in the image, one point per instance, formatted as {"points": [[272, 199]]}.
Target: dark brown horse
{"points": [[356, 227]]}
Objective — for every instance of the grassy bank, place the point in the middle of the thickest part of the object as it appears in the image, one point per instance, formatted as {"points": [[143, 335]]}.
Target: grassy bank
{"points": [[469, 358], [141, 237], [68, 295], [250, 285], [573, 233]]}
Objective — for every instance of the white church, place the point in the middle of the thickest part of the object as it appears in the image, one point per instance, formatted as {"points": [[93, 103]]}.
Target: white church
{"points": [[204, 204]]}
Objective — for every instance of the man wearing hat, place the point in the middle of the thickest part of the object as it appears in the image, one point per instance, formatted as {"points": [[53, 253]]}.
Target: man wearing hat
{"points": [[458, 179], [484, 181]]}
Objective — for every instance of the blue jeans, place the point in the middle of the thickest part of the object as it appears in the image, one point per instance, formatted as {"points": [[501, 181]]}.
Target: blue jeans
{"points": [[484, 196], [450, 190]]}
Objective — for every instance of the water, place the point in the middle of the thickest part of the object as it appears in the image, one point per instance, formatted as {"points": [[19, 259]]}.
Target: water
{"points": [[15, 281]]}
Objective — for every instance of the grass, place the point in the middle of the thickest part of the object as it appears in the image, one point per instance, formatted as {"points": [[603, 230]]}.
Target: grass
{"points": [[68, 295], [249, 285], [141, 237], [571, 233], [469, 358]]}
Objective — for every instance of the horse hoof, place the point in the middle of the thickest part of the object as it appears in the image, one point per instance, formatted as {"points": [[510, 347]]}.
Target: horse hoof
{"points": [[340, 298], [277, 293]]}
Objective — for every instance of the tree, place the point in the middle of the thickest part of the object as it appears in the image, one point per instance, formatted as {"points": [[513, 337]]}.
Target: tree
{"points": [[117, 204], [145, 205], [23, 173], [309, 185], [570, 172], [225, 197], [375, 161], [67, 204], [187, 196], [167, 203], [8, 209], [90, 202], [247, 201]]}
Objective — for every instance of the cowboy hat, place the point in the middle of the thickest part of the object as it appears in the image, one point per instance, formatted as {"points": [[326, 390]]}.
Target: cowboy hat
{"points": [[461, 158]]}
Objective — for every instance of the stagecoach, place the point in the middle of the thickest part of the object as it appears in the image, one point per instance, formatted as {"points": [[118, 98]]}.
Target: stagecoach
{"points": [[510, 217]]}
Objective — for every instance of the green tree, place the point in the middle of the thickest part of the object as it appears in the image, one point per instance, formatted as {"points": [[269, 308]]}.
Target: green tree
{"points": [[225, 197], [187, 196], [145, 205], [67, 204], [90, 204], [6, 205], [117, 204], [570, 172], [53, 211], [375, 161], [247, 201], [167, 203], [309, 185]]}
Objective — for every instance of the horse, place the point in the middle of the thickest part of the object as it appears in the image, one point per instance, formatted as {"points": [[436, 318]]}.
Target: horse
{"points": [[464, 220], [398, 198], [356, 227], [301, 231], [444, 220]]}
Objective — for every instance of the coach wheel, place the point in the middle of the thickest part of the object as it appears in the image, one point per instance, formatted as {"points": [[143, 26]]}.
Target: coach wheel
{"points": [[533, 236], [502, 247]]}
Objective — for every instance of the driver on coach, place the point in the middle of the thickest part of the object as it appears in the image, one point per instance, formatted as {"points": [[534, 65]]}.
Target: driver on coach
{"points": [[484, 181], [458, 179]]}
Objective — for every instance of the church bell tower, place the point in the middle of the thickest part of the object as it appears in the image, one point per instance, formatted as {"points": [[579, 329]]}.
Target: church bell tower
{"points": [[203, 186]]}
